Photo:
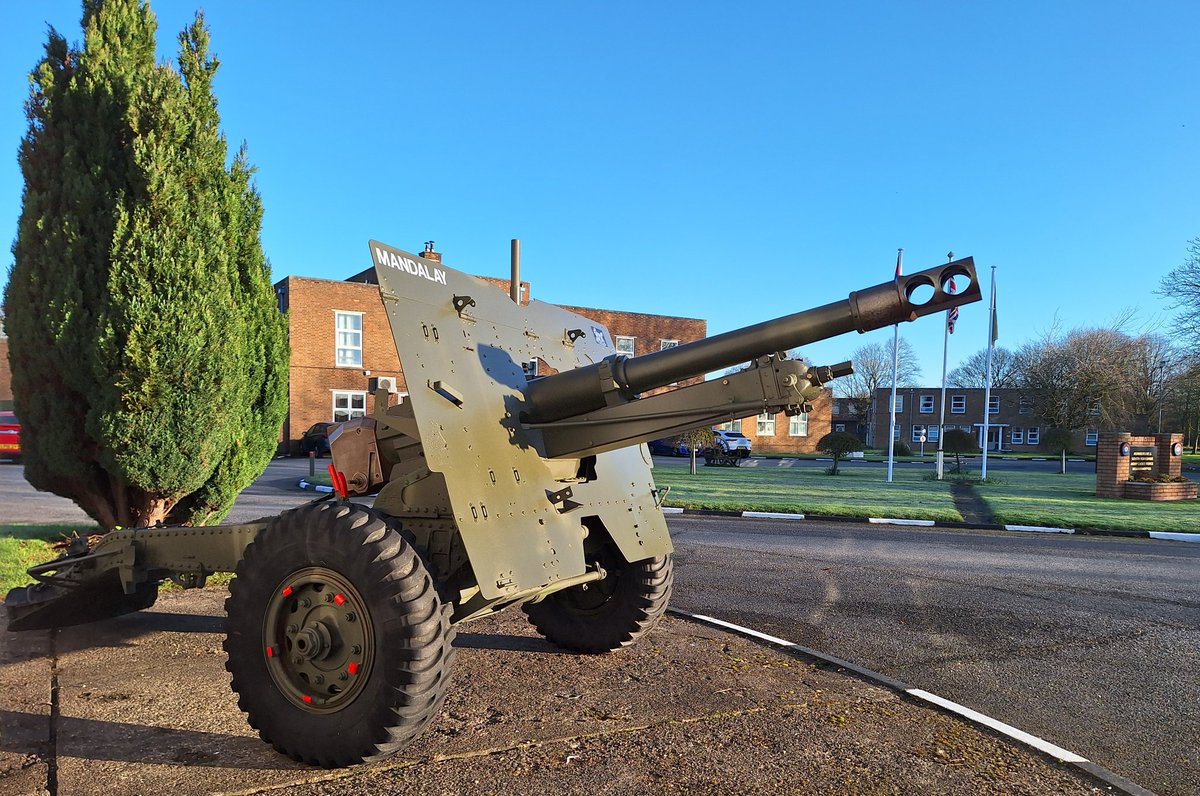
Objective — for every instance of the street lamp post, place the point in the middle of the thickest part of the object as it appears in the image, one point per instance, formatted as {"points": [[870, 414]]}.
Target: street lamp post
{"points": [[1159, 373]]}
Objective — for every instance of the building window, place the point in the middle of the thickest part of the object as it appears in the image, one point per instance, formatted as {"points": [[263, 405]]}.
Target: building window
{"points": [[663, 345], [926, 405], [625, 345], [837, 409], [798, 425], [839, 427], [349, 339], [1091, 437], [1018, 435], [348, 405], [899, 430], [899, 402], [1034, 437], [993, 404], [958, 404], [918, 431], [766, 425], [853, 408], [932, 433], [1023, 407], [1094, 409], [530, 368]]}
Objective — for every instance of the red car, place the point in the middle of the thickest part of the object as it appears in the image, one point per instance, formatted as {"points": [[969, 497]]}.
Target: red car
{"points": [[10, 436]]}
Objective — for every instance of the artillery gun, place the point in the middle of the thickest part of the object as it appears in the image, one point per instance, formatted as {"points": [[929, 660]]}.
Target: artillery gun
{"points": [[491, 490]]}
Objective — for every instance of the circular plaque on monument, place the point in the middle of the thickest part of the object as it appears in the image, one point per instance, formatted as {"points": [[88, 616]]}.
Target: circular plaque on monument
{"points": [[1177, 449], [1124, 448]]}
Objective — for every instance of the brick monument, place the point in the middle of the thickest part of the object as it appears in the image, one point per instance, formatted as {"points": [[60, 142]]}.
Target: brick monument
{"points": [[1141, 468]]}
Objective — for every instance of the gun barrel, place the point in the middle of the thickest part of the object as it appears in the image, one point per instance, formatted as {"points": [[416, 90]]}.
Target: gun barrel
{"points": [[586, 389]]}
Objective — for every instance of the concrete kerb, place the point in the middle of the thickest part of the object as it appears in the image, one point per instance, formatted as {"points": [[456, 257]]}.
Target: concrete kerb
{"points": [[1077, 761], [772, 515]]}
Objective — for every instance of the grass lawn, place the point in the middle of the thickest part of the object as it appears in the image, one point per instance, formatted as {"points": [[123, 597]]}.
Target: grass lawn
{"points": [[808, 490], [22, 546], [1069, 501]]}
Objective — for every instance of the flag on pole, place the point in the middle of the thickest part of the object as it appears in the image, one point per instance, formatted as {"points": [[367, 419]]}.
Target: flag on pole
{"points": [[952, 315], [995, 327]]}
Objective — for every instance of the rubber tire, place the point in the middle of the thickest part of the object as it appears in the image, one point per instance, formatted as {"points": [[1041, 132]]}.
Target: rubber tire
{"points": [[639, 599], [413, 656]]}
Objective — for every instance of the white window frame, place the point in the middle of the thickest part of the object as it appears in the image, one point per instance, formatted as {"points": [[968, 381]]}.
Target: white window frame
{"points": [[899, 402], [350, 410], [766, 425], [958, 404], [932, 433], [1024, 406], [927, 405], [630, 341], [898, 434], [917, 431], [664, 344], [839, 427], [836, 409], [993, 404], [349, 345], [1091, 437], [1017, 435], [732, 425], [798, 425], [1033, 436]]}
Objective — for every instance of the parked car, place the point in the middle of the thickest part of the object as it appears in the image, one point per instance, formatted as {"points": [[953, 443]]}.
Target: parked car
{"points": [[10, 436], [669, 447], [732, 443], [316, 439]]}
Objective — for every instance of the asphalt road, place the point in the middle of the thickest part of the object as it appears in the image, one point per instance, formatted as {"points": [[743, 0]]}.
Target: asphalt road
{"points": [[1091, 643]]}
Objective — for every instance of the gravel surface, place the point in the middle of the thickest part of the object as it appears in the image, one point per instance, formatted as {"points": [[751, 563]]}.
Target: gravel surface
{"points": [[144, 707]]}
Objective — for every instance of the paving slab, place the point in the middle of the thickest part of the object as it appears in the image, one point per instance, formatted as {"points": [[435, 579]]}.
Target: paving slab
{"points": [[143, 706]]}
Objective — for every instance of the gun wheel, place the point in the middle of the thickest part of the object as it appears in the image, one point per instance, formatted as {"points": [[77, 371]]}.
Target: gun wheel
{"points": [[339, 646], [610, 614]]}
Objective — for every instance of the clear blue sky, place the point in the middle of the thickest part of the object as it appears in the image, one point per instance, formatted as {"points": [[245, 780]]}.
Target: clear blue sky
{"points": [[697, 159]]}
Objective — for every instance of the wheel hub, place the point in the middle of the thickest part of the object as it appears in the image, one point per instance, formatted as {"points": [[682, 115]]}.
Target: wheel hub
{"points": [[319, 640]]}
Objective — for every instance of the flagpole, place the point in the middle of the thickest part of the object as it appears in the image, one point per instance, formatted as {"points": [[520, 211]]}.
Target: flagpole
{"points": [[895, 369], [942, 418], [987, 368]]}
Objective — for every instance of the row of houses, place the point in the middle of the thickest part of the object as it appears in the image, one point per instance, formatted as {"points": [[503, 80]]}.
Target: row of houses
{"points": [[340, 338]]}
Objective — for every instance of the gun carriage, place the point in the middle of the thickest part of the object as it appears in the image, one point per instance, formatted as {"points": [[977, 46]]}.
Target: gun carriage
{"points": [[490, 491]]}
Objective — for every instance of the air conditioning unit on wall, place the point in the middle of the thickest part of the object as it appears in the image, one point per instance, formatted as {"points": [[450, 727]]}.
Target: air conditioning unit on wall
{"points": [[383, 383]]}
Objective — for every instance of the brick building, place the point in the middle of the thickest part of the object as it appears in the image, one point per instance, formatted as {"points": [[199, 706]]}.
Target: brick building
{"points": [[340, 337], [844, 416], [1012, 424], [778, 433]]}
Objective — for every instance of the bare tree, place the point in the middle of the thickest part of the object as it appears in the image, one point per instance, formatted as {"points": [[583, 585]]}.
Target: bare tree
{"points": [[1085, 377], [1006, 370], [1182, 286], [873, 370]]}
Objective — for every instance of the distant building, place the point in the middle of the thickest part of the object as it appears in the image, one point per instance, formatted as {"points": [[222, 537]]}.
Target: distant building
{"points": [[1012, 423], [844, 416]]}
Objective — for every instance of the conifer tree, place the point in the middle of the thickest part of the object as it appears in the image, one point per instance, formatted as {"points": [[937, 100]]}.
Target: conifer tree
{"points": [[149, 360]]}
